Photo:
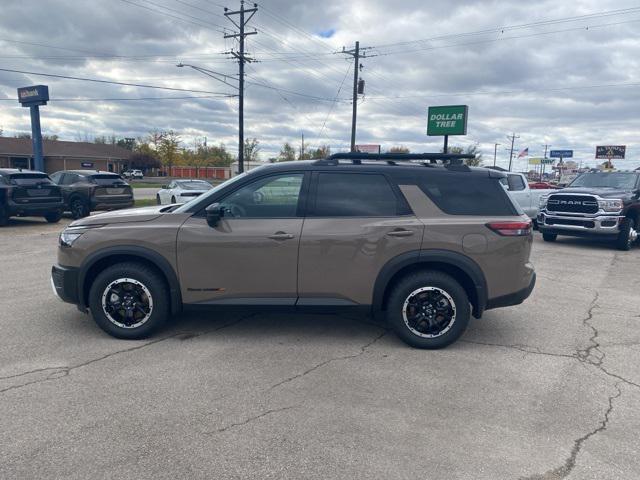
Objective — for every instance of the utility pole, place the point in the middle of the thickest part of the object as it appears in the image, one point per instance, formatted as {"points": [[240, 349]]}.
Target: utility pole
{"points": [[242, 59], [511, 137], [302, 148], [544, 165], [495, 152], [357, 54]]}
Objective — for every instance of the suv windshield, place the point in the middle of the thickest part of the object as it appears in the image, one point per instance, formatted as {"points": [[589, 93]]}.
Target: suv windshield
{"points": [[618, 180], [28, 179], [106, 179], [194, 185]]}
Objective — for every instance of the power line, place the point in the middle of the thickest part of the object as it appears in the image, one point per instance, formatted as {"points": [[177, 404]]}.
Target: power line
{"points": [[67, 77], [121, 99], [502, 29], [172, 16]]}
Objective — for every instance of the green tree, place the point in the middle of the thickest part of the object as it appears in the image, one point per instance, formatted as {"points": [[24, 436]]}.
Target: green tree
{"points": [[287, 153], [323, 151], [169, 148], [470, 150], [252, 150], [399, 149]]}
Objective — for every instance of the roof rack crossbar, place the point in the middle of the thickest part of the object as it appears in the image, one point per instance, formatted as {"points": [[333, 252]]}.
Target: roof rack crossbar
{"points": [[391, 158]]}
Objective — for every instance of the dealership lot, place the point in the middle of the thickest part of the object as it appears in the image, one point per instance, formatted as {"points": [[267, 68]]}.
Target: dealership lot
{"points": [[549, 389]]}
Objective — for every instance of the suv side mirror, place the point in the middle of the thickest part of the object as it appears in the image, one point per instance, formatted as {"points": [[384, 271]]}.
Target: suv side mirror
{"points": [[214, 213]]}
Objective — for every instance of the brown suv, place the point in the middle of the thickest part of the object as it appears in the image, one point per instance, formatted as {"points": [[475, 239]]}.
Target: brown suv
{"points": [[428, 244]]}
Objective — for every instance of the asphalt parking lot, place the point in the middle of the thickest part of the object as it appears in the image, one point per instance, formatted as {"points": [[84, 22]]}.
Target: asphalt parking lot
{"points": [[546, 390]]}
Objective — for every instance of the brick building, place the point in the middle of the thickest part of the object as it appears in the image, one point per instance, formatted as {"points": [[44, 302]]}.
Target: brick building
{"points": [[58, 155]]}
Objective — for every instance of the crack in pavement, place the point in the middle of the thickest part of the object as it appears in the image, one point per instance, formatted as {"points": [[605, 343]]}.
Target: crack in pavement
{"points": [[587, 354], [64, 371], [363, 349], [522, 348], [251, 419], [564, 470]]}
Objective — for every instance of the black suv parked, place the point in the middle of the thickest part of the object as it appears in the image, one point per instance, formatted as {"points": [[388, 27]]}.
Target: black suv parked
{"points": [[602, 205], [26, 193], [85, 191]]}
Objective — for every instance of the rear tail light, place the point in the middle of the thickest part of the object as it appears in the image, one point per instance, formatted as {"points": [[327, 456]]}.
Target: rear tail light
{"points": [[511, 229]]}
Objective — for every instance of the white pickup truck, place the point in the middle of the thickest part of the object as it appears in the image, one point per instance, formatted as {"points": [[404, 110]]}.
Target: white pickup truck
{"points": [[528, 199]]}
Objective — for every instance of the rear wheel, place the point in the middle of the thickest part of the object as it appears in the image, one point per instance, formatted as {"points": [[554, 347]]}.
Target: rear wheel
{"points": [[428, 310], [628, 234], [53, 217], [79, 208], [549, 237], [129, 300], [158, 202], [173, 199]]}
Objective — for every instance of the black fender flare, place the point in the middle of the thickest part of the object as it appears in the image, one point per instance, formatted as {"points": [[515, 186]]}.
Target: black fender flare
{"points": [[135, 251], [447, 257]]}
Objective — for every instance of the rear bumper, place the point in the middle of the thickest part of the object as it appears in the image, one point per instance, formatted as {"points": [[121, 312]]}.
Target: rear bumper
{"points": [[515, 298], [34, 208], [111, 204], [64, 281]]}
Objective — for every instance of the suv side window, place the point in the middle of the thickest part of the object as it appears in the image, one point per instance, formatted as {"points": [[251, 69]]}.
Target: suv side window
{"points": [[515, 183], [354, 195], [56, 177], [467, 195], [69, 179], [275, 196]]}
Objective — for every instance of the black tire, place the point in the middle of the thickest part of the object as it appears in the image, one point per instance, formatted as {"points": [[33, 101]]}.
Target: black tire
{"points": [[144, 275], [4, 216], [53, 217], [625, 238], [549, 237], [79, 207], [440, 282], [173, 200], [158, 202]]}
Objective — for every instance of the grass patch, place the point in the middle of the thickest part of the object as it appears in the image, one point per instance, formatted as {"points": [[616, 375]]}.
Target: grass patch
{"points": [[146, 185], [145, 202]]}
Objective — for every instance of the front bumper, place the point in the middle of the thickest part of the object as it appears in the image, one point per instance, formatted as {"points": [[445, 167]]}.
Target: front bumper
{"points": [[597, 224], [64, 281]]}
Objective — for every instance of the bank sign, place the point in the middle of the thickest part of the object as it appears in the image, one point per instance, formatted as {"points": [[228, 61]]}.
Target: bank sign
{"points": [[561, 153], [36, 95], [448, 120]]}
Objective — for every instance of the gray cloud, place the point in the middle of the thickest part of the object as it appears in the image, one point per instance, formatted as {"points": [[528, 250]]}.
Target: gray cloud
{"points": [[527, 84]]}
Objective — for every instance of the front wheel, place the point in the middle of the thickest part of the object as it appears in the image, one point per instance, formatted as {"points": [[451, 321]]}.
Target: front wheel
{"points": [[79, 208], [158, 201], [628, 234], [53, 217], [428, 310], [129, 300], [549, 237]]}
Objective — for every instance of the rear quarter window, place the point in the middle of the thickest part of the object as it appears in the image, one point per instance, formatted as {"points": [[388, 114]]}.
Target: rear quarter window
{"points": [[468, 195]]}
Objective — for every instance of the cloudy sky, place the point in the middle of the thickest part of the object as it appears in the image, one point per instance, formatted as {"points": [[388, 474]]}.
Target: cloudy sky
{"points": [[560, 73]]}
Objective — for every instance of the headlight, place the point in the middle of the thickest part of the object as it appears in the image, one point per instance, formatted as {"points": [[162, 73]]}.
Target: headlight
{"points": [[610, 205], [70, 234], [543, 201]]}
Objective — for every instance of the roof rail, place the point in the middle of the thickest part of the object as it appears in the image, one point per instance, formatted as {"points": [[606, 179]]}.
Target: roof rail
{"points": [[391, 158]]}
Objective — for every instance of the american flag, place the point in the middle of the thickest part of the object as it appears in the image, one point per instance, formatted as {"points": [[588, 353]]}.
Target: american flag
{"points": [[524, 153]]}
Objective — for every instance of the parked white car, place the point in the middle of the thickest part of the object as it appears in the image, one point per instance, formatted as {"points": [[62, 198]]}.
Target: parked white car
{"points": [[528, 199], [181, 191]]}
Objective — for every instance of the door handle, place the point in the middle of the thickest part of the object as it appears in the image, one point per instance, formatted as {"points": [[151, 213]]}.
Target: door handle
{"points": [[281, 236], [400, 233]]}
